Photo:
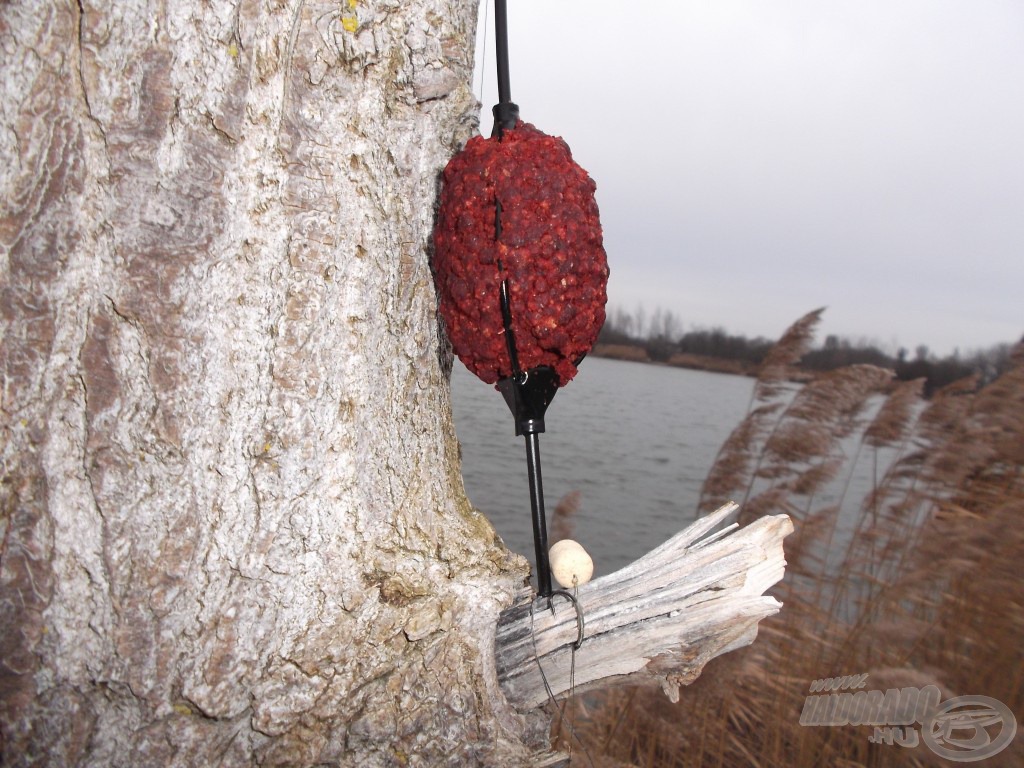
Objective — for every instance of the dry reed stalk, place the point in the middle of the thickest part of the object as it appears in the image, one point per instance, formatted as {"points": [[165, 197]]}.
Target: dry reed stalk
{"points": [[940, 432], [956, 443], [731, 469], [562, 523], [894, 418], [889, 429], [803, 453], [824, 411], [891, 516], [730, 472]]}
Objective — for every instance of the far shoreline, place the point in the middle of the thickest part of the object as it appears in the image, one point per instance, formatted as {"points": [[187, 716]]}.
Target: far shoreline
{"points": [[636, 354]]}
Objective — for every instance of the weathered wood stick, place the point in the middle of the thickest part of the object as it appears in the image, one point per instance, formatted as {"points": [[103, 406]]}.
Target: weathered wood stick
{"points": [[658, 620]]}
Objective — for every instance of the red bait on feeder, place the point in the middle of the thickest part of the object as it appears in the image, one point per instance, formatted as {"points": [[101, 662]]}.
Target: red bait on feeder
{"points": [[520, 271], [519, 209]]}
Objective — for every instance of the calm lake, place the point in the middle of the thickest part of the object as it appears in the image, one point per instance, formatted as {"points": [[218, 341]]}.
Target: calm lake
{"points": [[636, 440]]}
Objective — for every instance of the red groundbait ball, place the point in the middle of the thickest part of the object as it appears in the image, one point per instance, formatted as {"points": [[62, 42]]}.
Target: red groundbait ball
{"points": [[549, 250]]}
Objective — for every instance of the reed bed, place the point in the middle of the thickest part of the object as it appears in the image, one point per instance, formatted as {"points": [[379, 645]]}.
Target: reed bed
{"points": [[920, 586]]}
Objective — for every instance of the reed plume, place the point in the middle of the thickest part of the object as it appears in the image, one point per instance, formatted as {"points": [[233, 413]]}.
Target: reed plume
{"points": [[777, 368], [562, 519], [729, 475]]}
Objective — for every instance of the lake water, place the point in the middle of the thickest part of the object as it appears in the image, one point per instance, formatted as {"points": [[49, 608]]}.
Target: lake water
{"points": [[636, 440]]}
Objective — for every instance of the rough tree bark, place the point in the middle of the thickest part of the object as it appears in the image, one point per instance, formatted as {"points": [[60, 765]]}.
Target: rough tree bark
{"points": [[233, 526]]}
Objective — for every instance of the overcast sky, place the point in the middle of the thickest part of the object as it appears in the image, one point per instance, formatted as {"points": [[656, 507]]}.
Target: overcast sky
{"points": [[757, 159]]}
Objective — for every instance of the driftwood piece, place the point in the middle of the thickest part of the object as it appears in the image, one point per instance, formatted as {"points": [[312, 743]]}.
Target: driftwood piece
{"points": [[658, 620]]}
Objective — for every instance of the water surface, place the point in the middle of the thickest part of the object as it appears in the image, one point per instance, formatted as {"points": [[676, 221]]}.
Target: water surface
{"points": [[636, 440]]}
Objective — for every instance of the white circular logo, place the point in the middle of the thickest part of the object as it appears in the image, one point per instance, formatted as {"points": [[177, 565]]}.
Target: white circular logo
{"points": [[969, 728]]}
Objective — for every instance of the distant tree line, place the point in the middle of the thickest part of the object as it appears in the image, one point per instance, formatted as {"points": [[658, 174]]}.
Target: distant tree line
{"points": [[660, 334]]}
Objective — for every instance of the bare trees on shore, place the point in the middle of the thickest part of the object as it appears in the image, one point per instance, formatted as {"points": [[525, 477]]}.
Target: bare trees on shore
{"points": [[661, 335]]}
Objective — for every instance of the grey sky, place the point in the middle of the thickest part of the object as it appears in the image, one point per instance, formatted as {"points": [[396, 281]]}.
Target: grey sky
{"points": [[758, 159]]}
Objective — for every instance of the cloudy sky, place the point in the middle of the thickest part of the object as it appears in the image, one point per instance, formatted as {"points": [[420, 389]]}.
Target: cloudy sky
{"points": [[756, 159]]}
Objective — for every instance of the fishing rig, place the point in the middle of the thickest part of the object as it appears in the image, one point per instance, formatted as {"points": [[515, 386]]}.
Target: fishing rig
{"points": [[521, 270]]}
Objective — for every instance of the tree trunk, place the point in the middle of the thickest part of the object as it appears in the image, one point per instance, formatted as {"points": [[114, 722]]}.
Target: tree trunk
{"points": [[234, 529]]}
